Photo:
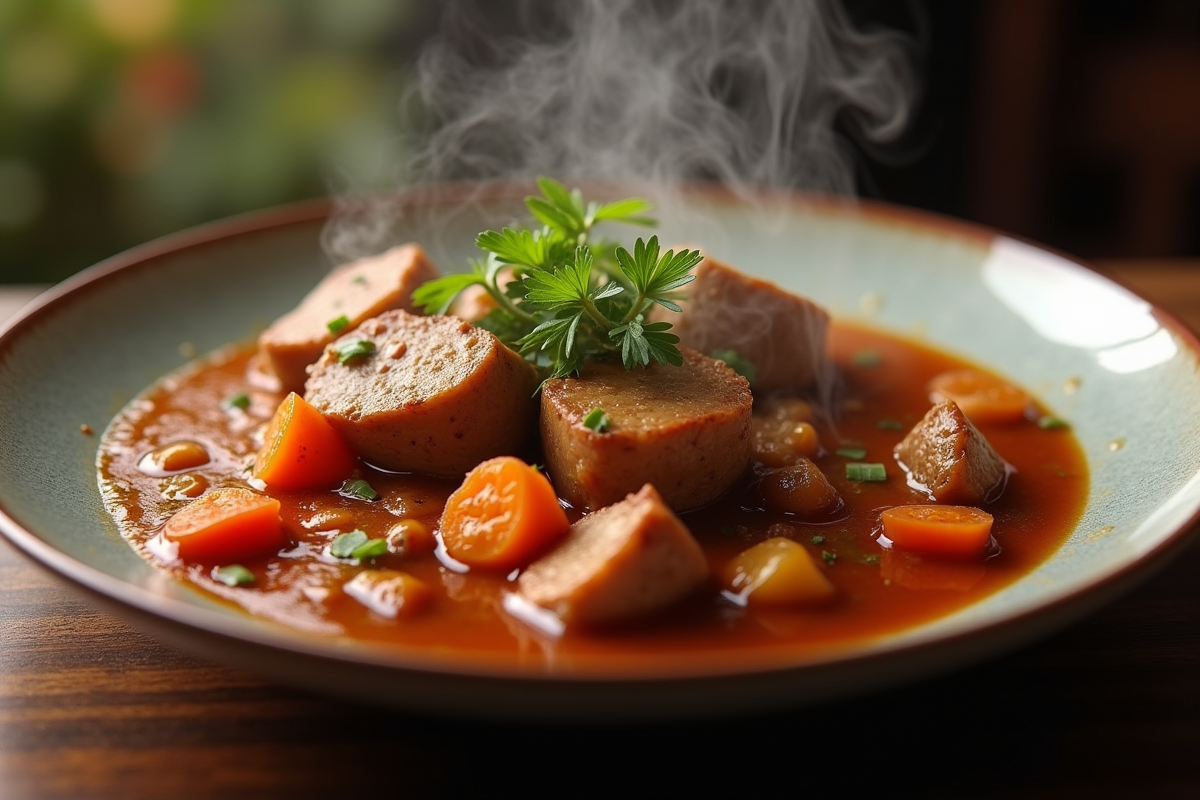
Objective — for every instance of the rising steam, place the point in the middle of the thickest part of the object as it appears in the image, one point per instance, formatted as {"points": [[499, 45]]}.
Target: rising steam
{"points": [[747, 93]]}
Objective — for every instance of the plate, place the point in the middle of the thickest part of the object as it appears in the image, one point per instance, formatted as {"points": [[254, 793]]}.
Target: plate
{"points": [[1123, 371]]}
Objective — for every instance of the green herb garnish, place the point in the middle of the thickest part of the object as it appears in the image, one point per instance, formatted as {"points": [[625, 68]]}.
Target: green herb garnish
{"points": [[859, 471], [852, 452], [348, 351], [1049, 423], [818, 539], [873, 559], [738, 363], [572, 295], [596, 420], [358, 489], [339, 324], [241, 401], [828, 557], [344, 545], [233, 575], [370, 549]]}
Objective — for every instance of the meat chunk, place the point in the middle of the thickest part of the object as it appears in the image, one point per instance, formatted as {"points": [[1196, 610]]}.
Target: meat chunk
{"points": [[618, 563], [947, 457], [684, 429], [432, 394], [357, 291], [781, 333]]}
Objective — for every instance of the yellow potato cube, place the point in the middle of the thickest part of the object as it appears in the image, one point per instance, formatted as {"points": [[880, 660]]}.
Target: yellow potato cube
{"points": [[776, 572]]}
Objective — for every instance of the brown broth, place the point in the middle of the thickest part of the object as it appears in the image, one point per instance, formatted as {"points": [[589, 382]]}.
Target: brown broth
{"points": [[879, 591]]}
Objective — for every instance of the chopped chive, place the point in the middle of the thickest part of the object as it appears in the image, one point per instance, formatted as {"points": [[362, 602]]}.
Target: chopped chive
{"points": [[867, 358], [818, 539], [370, 549], [348, 351], [852, 452], [358, 489], [233, 575], [738, 363], [859, 471], [344, 545], [338, 324], [596, 420], [870, 559], [241, 400], [889, 425], [1050, 423], [828, 557]]}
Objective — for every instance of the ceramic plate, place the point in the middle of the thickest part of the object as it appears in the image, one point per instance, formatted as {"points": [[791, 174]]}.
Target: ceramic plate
{"points": [[88, 346]]}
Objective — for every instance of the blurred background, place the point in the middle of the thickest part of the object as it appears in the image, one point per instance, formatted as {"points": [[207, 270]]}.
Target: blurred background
{"points": [[1075, 123]]}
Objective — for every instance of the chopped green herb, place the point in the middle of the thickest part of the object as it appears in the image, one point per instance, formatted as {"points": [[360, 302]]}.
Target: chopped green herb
{"points": [[818, 539], [344, 545], [338, 324], [241, 400], [358, 489], [596, 420], [738, 363], [852, 452], [233, 575], [1049, 423], [859, 471], [828, 557], [370, 549], [361, 280], [348, 351], [889, 425], [867, 358], [870, 559], [574, 296]]}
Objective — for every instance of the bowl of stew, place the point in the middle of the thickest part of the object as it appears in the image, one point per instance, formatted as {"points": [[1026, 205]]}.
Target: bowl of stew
{"points": [[157, 347]]}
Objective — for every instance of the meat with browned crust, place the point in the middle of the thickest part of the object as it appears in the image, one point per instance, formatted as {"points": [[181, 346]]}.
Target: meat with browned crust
{"points": [[947, 458]]}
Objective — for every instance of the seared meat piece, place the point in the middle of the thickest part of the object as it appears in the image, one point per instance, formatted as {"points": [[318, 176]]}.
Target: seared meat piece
{"points": [[782, 334], [620, 562], [947, 457], [433, 394], [357, 291], [684, 429]]}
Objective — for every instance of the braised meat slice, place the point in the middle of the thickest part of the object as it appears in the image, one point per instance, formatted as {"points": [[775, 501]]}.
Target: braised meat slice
{"points": [[686, 430], [947, 458], [781, 333], [424, 394], [347, 296], [620, 562]]}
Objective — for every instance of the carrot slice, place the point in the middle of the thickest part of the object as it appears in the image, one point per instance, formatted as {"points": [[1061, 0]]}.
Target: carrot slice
{"points": [[301, 449], [503, 515], [939, 530], [981, 396], [227, 524]]}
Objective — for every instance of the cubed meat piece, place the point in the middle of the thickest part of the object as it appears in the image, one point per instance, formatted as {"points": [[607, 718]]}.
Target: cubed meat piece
{"points": [[947, 458], [619, 563], [780, 333], [356, 292], [427, 394], [684, 429]]}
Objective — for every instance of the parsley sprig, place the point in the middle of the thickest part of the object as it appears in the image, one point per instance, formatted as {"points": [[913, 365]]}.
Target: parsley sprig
{"points": [[573, 296]]}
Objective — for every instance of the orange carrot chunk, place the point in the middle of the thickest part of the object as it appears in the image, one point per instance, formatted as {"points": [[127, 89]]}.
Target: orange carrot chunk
{"points": [[302, 450], [981, 396], [503, 516], [938, 530], [227, 524]]}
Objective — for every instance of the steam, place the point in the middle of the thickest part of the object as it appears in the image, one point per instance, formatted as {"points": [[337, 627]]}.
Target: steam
{"points": [[746, 93]]}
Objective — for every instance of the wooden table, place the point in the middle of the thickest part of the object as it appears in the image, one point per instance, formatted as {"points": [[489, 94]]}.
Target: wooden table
{"points": [[1109, 708]]}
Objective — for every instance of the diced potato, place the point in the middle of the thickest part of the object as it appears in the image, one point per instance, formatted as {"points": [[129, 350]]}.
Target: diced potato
{"points": [[389, 593], [410, 537], [776, 572]]}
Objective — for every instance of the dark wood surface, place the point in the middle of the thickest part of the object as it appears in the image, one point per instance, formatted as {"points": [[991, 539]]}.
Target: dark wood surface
{"points": [[1108, 708]]}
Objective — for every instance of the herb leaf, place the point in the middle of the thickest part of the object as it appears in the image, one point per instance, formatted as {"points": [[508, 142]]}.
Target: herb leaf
{"points": [[348, 351], [233, 575], [596, 420], [344, 545], [358, 489]]}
